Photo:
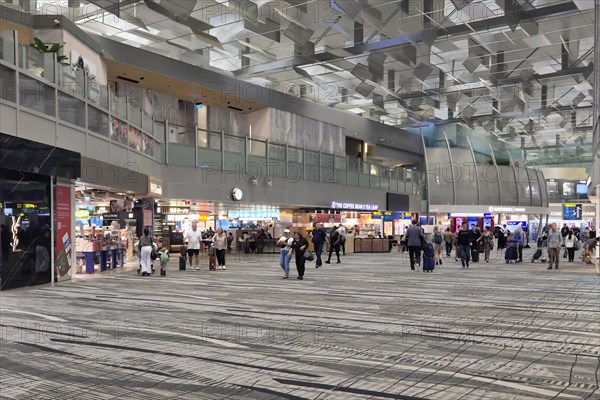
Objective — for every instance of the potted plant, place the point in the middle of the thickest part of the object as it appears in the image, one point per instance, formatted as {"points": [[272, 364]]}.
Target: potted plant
{"points": [[53, 48]]}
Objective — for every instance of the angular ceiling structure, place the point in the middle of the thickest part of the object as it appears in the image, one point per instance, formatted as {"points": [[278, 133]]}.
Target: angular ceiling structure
{"points": [[507, 68]]}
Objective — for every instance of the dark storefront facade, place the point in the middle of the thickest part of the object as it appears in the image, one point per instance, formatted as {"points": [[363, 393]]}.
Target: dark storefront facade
{"points": [[30, 174]]}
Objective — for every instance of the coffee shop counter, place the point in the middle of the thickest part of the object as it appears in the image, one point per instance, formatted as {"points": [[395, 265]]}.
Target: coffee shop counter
{"points": [[371, 245]]}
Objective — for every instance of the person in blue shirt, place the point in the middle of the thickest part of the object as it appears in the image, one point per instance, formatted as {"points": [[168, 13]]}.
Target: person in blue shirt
{"points": [[518, 236]]}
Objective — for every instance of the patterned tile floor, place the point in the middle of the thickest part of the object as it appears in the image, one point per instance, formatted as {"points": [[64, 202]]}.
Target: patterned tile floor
{"points": [[365, 329]]}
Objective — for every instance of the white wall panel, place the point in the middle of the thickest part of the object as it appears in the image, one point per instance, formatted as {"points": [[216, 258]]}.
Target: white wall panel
{"points": [[98, 148], [71, 139], [118, 155], [37, 128], [8, 119]]}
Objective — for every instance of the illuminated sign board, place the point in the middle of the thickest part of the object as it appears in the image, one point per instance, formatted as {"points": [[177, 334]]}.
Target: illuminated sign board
{"points": [[82, 214], [22, 206], [572, 212], [253, 214], [175, 210], [354, 206], [155, 187]]}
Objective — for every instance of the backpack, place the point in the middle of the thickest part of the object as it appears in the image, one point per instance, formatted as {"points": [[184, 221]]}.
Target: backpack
{"points": [[164, 257], [437, 238]]}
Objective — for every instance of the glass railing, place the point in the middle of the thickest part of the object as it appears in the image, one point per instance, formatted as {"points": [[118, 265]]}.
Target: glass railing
{"points": [[42, 85], [70, 95]]}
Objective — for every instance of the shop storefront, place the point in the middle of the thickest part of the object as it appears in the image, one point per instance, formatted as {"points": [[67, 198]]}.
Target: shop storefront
{"points": [[36, 211]]}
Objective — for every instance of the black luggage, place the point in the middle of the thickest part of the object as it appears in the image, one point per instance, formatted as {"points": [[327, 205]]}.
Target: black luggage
{"points": [[475, 254], [537, 255], [181, 263]]}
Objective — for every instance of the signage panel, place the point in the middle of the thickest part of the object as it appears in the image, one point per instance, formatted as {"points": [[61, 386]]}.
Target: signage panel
{"points": [[62, 218], [174, 210], [253, 214], [572, 212], [354, 206]]}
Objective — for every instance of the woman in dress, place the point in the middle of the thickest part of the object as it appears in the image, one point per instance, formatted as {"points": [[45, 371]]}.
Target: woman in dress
{"points": [[488, 242]]}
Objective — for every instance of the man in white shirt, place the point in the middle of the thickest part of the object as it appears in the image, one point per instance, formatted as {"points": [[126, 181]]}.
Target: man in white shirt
{"points": [[193, 238]]}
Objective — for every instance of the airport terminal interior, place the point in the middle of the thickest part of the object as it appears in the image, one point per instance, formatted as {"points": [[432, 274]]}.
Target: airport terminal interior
{"points": [[299, 199]]}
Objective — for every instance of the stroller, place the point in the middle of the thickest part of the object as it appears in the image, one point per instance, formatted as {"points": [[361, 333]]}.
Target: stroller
{"points": [[541, 243], [512, 251]]}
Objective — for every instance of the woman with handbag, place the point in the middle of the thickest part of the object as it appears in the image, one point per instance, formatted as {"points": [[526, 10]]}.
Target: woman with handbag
{"points": [[299, 246]]}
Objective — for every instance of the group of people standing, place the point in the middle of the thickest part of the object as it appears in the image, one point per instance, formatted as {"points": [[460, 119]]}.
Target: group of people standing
{"points": [[297, 245], [572, 240]]}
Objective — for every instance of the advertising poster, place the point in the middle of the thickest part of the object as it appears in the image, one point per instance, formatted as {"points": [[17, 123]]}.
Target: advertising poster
{"points": [[63, 244]]}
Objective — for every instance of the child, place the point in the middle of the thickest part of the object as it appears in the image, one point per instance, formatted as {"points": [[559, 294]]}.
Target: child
{"points": [[164, 259]]}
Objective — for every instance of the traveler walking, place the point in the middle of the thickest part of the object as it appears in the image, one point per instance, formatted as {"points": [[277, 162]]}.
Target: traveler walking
{"points": [[464, 239], [518, 237], [437, 240], [334, 245], [342, 232], [564, 231], [554, 240], [449, 240], [299, 246], [488, 242], [475, 236], [570, 243], [319, 236], [415, 238], [163, 255], [146, 246], [220, 242], [194, 237], [503, 233], [229, 241], [285, 255]]}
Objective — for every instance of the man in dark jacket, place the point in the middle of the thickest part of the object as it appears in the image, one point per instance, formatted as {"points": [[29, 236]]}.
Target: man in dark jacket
{"points": [[464, 237], [318, 238], [334, 245], [413, 237]]}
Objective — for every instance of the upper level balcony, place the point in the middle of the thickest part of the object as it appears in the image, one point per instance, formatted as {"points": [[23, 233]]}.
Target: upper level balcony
{"points": [[63, 106]]}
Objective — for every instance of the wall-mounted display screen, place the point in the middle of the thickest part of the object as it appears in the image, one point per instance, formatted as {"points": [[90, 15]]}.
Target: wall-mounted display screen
{"points": [[397, 202], [572, 212], [568, 188], [581, 188]]}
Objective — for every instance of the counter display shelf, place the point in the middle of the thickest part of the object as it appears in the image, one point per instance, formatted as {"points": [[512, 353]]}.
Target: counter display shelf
{"points": [[371, 245]]}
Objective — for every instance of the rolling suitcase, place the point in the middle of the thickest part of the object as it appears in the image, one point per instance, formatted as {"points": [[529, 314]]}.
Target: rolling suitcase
{"points": [[212, 263], [475, 254], [428, 258], [182, 263]]}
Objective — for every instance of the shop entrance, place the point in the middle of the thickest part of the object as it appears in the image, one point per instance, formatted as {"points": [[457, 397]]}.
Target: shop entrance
{"points": [[25, 220]]}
